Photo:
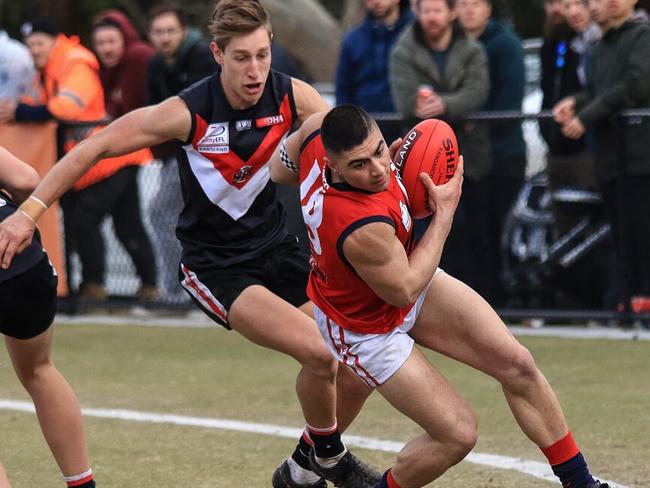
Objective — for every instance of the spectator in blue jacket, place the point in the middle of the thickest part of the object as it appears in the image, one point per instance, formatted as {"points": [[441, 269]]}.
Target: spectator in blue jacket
{"points": [[362, 72], [508, 148]]}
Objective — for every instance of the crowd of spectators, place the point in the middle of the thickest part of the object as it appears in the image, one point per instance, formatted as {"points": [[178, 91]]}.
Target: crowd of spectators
{"points": [[419, 59]]}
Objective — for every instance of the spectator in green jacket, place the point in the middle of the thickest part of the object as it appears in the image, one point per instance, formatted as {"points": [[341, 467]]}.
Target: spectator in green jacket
{"points": [[436, 70]]}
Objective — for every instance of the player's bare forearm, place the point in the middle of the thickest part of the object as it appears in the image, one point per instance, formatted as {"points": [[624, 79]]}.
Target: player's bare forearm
{"points": [[139, 129]]}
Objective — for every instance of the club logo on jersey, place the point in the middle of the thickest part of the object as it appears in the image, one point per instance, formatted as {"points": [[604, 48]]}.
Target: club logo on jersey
{"points": [[269, 121], [242, 125], [406, 216], [216, 139], [242, 174]]}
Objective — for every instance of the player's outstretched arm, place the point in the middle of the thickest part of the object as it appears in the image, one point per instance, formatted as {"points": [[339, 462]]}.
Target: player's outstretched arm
{"points": [[380, 259], [136, 130]]}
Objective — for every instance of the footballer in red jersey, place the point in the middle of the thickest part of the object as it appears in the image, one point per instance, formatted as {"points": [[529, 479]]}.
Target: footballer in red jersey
{"points": [[375, 294]]}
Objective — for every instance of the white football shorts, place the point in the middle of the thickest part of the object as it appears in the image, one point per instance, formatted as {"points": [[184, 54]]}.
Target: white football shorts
{"points": [[373, 357]]}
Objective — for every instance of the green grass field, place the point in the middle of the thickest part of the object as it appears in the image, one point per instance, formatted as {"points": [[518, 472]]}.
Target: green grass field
{"points": [[604, 387]]}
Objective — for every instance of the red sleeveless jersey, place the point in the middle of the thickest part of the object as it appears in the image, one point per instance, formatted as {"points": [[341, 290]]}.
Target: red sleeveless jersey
{"points": [[332, 211]]}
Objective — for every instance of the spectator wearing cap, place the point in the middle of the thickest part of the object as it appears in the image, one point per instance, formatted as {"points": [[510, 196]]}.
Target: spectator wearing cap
{"points": [[67, 88], [16, 68]]}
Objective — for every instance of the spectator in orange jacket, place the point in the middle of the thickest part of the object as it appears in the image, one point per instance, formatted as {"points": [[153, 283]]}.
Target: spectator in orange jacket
{"points": [[68, 88]]}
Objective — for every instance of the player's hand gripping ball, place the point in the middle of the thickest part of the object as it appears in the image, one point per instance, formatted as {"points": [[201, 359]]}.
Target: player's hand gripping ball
{"points": [[430, 147]]}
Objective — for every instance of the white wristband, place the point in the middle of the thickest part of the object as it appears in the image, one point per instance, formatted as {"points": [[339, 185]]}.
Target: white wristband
{"points": [[27, 215], [38, 200]]}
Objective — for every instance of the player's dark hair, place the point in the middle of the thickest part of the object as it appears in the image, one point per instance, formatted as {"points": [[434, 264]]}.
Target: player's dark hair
{"points": [[232, 18], [345, 127]]}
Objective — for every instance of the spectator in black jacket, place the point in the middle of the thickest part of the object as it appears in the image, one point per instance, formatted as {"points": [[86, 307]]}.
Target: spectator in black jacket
{"points": [[564, 57], [569, 162], [617, 79], [182, 58]]}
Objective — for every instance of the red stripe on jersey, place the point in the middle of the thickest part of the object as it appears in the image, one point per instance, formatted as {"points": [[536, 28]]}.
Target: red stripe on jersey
{"points": [[234, 169], [192, 282], [199, 130]]}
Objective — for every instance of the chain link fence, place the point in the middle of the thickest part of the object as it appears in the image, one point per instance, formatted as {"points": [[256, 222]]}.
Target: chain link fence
{"points": [[529, 244]]}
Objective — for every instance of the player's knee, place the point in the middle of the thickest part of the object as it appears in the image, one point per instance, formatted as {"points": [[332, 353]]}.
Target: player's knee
{"points": [[466, 437], [31, 375], [460, 433], [521, 368], [465, 434], [320, 363]]}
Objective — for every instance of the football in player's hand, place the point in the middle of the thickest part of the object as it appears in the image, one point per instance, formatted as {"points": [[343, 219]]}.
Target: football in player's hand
{"points": [[430, 147]]}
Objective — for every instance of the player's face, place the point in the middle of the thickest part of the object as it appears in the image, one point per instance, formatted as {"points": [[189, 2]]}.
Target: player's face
{"points": [[109, 45], [40, 46], [576, 14], [435, 17], [166, 33], [245, 64], [473, 15], [365, 167]]}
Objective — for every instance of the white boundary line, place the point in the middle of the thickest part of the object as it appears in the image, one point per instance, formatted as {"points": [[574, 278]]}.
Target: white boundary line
{"points": [[532, 468]]}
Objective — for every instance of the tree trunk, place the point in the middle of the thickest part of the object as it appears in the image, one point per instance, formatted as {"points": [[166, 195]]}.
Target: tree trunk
{"points": [[309, 33]]}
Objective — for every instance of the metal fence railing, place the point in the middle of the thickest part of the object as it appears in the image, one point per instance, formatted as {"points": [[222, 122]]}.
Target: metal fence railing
{"points": [[122, 284]]}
